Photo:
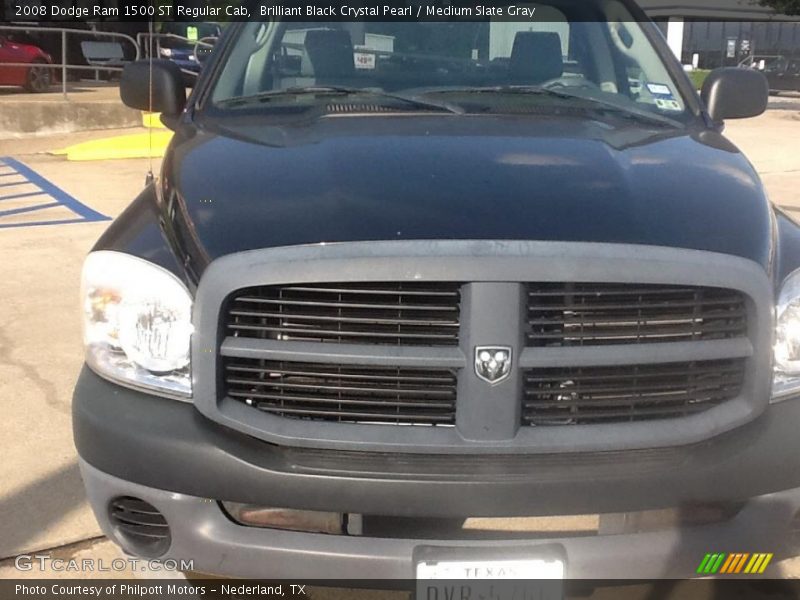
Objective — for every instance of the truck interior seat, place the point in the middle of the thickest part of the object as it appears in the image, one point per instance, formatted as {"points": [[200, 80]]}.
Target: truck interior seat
{"points": [[331, 54]]}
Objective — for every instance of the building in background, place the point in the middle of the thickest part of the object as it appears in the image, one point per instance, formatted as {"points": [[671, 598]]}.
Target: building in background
{"points": [[716, 33]]}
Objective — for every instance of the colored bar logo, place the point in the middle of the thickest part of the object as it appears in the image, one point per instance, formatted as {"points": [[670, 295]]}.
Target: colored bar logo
{"points": [[734, 563]]}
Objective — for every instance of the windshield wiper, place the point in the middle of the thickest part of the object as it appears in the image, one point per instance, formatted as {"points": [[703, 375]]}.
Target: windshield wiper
{"points": [[337, 90], [596, 103], [628, 112], [533, 90]]}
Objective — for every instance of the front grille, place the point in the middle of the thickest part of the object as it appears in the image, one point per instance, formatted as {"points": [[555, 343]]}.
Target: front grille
{"points": [[374, 348], [344, 393], [594, 314], [397, 313], [428, 314], [574, 396]]}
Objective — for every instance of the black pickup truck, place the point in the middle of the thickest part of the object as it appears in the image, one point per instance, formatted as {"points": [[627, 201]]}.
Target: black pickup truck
{"points": [[782, 72], [413, 299]]}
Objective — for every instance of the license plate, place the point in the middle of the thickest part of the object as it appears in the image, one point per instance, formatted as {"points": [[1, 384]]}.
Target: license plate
{"points": [[509, 579], [491, 569]]}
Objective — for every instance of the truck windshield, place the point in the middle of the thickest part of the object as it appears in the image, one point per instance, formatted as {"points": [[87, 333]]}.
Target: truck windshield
{"points": [[589, 55]]}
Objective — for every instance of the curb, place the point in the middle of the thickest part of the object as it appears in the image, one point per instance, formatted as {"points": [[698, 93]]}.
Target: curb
{"points": [[19, 118]]}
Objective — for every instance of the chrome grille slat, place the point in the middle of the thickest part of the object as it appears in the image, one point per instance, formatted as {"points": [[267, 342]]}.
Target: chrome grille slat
{"points": [[578, 314], [594, 331], [665, 372], [618, 289], [340, 389], [644, 305], [293, 332], [574, 316], [393, 313], [624, 392], [287, 401], [334, 304], [666, 400], [573, 396], [361, 416], [309, 317], [344, 393], [366, 289]]}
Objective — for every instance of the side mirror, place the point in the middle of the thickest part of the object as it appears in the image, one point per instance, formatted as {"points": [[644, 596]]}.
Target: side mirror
{"points": [[168, 94], [734, 93]]}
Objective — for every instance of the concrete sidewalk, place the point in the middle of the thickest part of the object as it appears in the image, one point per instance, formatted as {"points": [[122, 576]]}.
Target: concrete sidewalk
{"points": [[42, 500], [772, 143], [88, 106]]}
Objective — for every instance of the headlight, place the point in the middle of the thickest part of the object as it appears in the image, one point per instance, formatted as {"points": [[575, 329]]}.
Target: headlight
{"points": [[165, 52], [786, 380], [137, 323]]}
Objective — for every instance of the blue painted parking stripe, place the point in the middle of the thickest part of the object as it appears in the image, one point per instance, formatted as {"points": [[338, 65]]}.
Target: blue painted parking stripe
{"points": [[61, 197], [35, 223], [24, 209], [22, 195]]}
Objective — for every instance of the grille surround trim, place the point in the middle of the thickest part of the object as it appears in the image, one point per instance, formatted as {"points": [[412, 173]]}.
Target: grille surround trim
{"points": [[490, 262]]}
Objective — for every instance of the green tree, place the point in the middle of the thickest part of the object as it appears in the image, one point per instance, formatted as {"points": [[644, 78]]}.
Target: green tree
{"points": [[786, 7]]}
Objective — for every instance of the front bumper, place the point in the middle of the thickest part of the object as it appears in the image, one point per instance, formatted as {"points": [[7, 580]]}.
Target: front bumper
{"points": [[167, 453], [203, 533]]}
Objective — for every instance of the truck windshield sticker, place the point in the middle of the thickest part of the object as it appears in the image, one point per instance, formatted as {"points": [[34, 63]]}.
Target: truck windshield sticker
{"points": [[663, 97], [659, 89]]}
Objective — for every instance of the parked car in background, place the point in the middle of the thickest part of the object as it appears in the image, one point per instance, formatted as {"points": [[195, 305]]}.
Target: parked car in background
{"points": [[782, 72], [185, 52], [36, 77], [48, 41]]}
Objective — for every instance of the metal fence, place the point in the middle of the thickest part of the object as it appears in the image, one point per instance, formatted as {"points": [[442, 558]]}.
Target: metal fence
{"points": [[143, 46]]}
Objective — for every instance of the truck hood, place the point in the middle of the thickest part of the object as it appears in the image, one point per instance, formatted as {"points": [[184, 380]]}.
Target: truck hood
{"points": [[355, 178]]}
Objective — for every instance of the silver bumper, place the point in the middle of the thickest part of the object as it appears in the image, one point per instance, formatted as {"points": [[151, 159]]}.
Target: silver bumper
{"points": [[203, 533]]}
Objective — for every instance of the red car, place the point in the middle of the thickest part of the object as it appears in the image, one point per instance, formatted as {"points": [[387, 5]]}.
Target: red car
{"points": [[34, 78]]}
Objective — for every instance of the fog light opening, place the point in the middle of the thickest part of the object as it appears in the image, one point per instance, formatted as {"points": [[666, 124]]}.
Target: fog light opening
{"points": [[139, 526]]}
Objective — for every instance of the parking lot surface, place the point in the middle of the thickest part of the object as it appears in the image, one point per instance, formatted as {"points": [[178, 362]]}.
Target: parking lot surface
{"points": [[49, 220]]}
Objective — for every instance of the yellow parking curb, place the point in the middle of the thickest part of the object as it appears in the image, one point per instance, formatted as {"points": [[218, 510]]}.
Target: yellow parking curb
{"points": [[152, 144], [152, 120]]}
